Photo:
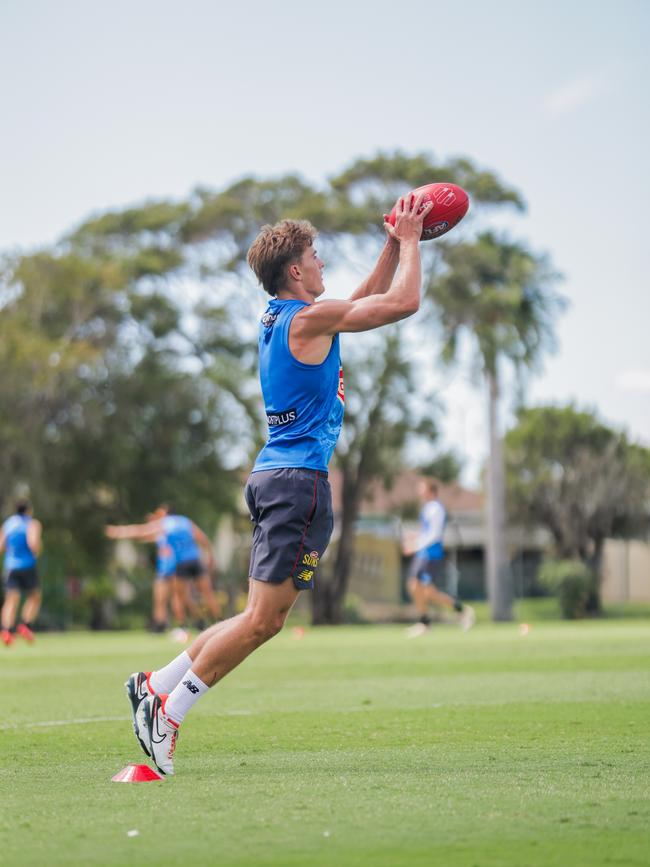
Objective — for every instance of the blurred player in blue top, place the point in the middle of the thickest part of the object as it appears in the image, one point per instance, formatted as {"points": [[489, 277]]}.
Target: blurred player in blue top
{"points": [[20, 539], [178, 543], [288, 492], [427, 567]]}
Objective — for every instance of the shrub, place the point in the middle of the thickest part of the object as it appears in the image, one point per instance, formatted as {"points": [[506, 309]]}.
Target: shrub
{"points": [[571, 581]]}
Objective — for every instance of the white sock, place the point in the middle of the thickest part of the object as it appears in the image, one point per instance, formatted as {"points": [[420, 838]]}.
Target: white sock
{"points": [[165, 679], [183, 697]]}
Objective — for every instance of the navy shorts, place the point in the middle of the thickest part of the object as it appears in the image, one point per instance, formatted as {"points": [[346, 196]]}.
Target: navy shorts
{"points": [[428, 571], [189, 569], [22, 579], [291, 510]]}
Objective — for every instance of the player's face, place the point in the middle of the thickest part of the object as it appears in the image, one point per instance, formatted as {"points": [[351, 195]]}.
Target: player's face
{"points": [[312, 271]]}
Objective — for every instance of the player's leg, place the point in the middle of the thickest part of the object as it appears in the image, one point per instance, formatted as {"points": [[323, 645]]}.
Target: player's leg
{"points": [[29, 613], [161, 593], [9, 610], [292, 515], [142, 685], [438, 597], [417, 588], [182, 604], [207, 594], [418, 593], [444, 600], [266, 612]]}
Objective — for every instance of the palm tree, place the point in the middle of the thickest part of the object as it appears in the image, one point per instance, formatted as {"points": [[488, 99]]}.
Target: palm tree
{"points": [[500, 294]]}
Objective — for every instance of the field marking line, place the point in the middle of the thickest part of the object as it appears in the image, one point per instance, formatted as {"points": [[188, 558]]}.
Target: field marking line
{"points": [[51, 723], [89, 720]]}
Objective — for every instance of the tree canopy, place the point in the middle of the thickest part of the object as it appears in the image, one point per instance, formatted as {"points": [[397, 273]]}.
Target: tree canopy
{"points": [[581, 479]]}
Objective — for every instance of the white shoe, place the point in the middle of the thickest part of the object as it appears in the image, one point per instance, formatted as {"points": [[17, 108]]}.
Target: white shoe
{"points": [[162, 732], [137, 689], [416, 630], [467, 618]]}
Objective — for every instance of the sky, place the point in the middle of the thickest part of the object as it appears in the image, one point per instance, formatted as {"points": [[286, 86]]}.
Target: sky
{"points": [[108, 104]]}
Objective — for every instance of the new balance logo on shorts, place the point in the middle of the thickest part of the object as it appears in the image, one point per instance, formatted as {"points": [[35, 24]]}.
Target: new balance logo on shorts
{"points": [[192, 687]]}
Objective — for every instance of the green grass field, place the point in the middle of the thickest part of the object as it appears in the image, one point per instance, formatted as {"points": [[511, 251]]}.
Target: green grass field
{"points": [[352, 746]]}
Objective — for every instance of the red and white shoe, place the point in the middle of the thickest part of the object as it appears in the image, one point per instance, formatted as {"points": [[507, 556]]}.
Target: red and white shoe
{"points": [[138, 688], [7, 637], [163, 732], [25, 632]]}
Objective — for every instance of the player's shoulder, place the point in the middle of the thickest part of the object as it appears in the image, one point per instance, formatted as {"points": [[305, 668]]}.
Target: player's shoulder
{"points": [[320, 318], [433, 507]]}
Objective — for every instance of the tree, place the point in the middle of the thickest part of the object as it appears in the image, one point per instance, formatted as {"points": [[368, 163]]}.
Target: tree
{"points": [[446, 467], [499, 294], [579, 478]]}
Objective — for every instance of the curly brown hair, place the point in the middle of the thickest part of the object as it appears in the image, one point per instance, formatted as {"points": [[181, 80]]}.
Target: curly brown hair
{"points": [[276, 247]]}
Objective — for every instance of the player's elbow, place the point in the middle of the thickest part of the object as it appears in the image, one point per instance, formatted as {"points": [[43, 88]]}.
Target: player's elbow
{"points": [[410, 306]]}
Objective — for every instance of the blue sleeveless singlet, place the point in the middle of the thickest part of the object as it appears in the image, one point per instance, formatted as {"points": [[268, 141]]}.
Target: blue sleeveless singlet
{"points": [[304, 402], [178, 532], [18, 554]]}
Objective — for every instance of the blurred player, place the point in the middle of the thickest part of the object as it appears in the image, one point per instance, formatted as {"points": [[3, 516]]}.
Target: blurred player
{"points": [[427, 568], [179, 543], [288, 492], [20, 539]]}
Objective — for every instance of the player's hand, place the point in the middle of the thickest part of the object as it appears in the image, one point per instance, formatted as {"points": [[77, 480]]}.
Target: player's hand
{"points": [[390, 232], [409, 217]]}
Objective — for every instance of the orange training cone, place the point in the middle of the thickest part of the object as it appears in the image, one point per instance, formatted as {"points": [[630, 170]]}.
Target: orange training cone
{"points": [[136, 774]]}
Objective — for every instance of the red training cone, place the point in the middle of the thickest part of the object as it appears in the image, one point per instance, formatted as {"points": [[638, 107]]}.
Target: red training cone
{"points": [[136, 774]]}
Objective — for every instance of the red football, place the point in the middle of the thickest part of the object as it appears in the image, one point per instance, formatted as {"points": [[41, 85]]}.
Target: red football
{"points": [[450, 204]]}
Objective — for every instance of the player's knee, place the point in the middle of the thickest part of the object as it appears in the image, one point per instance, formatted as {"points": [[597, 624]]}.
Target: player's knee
{"points": [[263, 628]]}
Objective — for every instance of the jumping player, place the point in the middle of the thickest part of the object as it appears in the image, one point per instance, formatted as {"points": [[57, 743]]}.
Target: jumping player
{"points": [[179, 542], [20, 539], [427, 567], [288, 492]]}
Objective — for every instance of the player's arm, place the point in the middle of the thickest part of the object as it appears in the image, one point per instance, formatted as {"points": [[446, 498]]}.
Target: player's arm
{"points": [[2, 541], [35, 537], [148, 532], [204, 543], [379, 281], [402, 299]]}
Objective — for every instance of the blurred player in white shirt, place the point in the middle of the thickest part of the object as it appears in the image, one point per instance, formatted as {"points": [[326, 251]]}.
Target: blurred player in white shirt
{"points": [[427, 567]]}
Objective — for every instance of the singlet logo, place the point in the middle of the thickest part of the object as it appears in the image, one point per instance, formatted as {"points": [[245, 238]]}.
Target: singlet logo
{"points": [[268, 319], [282, 417], [341, 391]]}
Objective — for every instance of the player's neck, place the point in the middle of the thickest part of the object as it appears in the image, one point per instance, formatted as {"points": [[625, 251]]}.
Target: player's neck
{"points": [[299, 293]]}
